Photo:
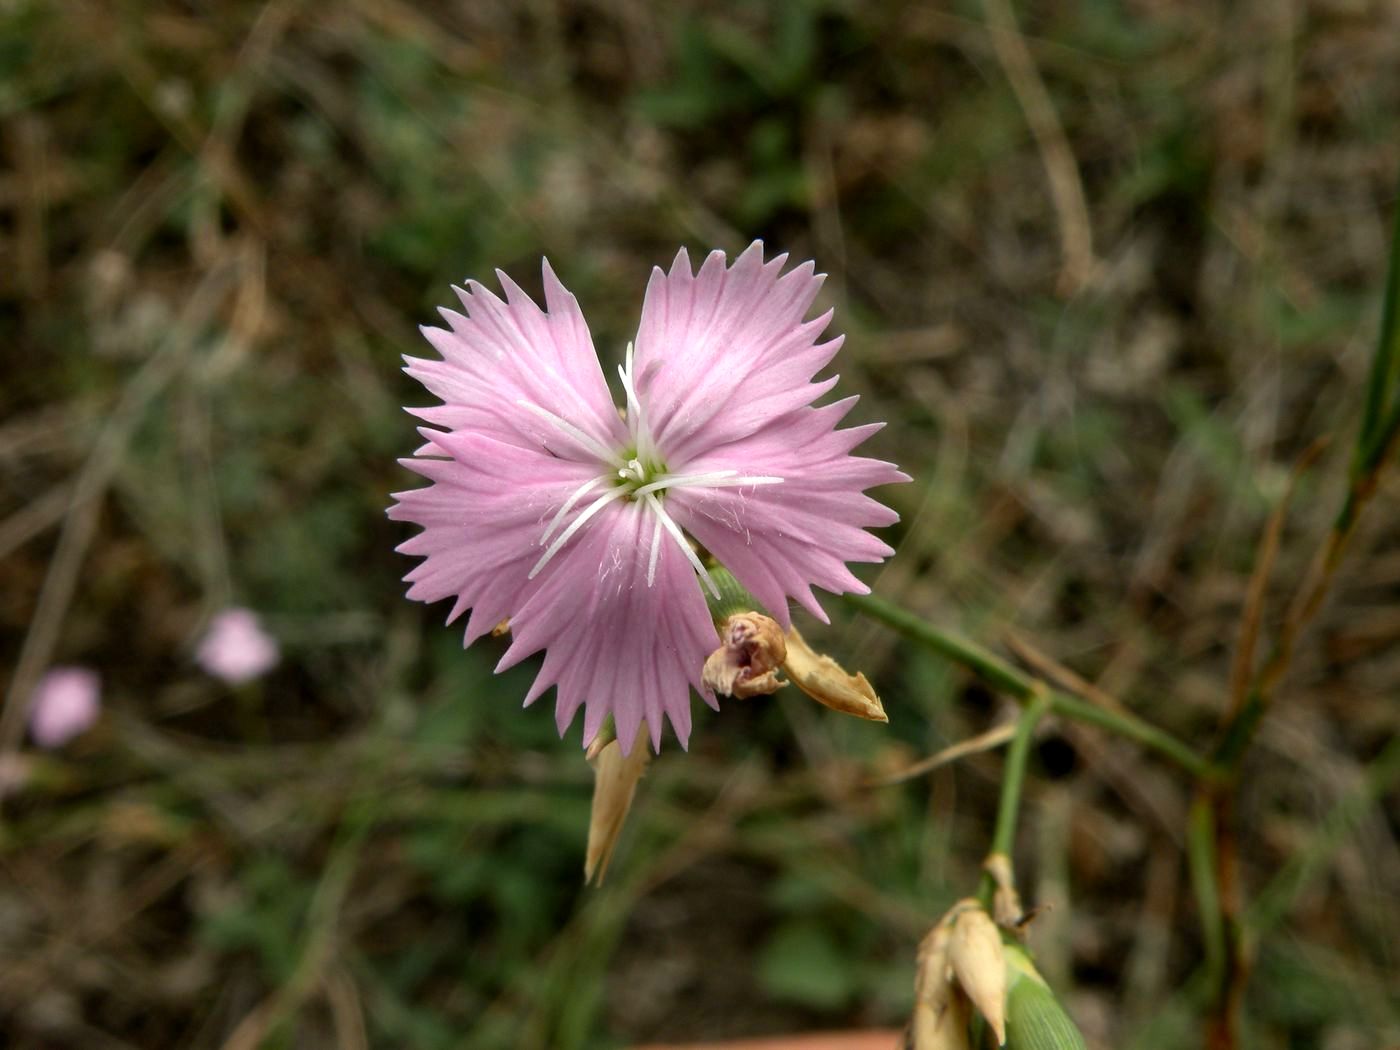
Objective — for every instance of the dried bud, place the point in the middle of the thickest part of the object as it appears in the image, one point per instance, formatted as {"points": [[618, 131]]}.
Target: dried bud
{"points": [[940, 1027], [940, 1008], [747, 662], [931, 976], [615, 777], [1006, 902], [977, 958], [826, 682]]}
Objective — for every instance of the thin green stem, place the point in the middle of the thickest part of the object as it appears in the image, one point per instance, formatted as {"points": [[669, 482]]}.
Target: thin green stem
{"points": [[1013, 779], [1200, 851], [1372, 438], [1023, 688], [986, 663], [1136, 729]]}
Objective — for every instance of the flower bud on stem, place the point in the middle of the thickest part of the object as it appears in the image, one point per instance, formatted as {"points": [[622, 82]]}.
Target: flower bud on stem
{"points": [[614, 785]]}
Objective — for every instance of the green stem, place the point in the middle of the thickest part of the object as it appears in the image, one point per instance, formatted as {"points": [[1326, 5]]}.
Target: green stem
{"points": [[1372, 438], [1013, 778], [1023, 688], [1200, 852], [1137, 730], [986, 663]]}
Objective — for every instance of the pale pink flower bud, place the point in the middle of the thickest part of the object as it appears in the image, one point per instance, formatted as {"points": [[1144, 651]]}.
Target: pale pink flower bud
{"points": [[236, 648], [65, 703]]}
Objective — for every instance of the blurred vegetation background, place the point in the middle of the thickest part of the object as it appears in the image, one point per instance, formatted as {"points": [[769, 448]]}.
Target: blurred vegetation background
{"points": [[1106, 267]]}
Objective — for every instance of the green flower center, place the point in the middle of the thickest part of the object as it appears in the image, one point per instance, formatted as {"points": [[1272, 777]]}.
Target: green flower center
{"points": [[637, 472]]}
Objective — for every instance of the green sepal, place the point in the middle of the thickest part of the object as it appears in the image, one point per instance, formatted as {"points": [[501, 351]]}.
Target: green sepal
{"points": [[1035, 1020], [733, 598]]}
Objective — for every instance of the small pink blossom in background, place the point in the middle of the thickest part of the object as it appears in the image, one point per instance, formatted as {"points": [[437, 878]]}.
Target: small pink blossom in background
{"points": [[64, 704], [236, 648], [578, 523]]}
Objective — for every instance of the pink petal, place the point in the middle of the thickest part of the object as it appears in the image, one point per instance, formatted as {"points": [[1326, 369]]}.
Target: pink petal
{"points": [[500, 354], [482, 520], [613, 643], [779, 540], [65, 703], [721, 353], [236, 648]]}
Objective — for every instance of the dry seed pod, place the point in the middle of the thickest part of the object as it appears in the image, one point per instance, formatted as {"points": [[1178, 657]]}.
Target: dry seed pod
{"points": [[828, 683], [746, 663], [940, 1027], [931, 976], [615, 779], [980, 965]]}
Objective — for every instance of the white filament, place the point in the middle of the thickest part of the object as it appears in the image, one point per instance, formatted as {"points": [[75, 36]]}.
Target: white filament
{"points": [[568, 429], [578, 523], [577, 495], [718, 479], [681, 541], [655, 550], [636, 419]]}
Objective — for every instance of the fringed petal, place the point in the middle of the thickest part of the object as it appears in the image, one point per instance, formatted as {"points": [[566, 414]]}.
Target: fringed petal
{"points": [[614, 643], [781, 539], [482, 517], [723, 352], [524, 376]]}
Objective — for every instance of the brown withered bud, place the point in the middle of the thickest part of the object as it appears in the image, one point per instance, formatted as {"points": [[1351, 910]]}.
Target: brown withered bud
{"points": [[931, 976], [1006, 902], [828, 683], [978, 961], [615, 777], [940, 1009], [942, 1027], [746, 663]]}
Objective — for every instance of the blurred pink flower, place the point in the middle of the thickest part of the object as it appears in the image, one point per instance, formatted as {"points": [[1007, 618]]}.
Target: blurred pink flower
{"points": [[64, 704], [549, 507], [236, 648]]}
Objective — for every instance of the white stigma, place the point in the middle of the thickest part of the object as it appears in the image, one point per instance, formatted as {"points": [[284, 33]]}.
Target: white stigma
{"points": [[633, 471]]}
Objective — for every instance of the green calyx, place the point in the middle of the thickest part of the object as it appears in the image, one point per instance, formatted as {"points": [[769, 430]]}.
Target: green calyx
{"points": [[733, 598]]}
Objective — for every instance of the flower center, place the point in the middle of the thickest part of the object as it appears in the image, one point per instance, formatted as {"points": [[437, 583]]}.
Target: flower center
{"points": [[637, 475]]}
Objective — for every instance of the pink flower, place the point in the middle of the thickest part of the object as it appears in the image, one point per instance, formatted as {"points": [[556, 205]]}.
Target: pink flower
{"points": [[64, 704], [549, 508], [236, 648]]}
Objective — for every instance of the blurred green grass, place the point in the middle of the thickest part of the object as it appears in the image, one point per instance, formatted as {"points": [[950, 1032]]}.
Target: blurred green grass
{"points": [[219, 225]]}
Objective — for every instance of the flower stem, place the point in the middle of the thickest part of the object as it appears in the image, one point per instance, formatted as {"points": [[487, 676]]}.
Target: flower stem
{"points": [[1200, 851], [1013, 779], [1024, 688], [1014, 776]]}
